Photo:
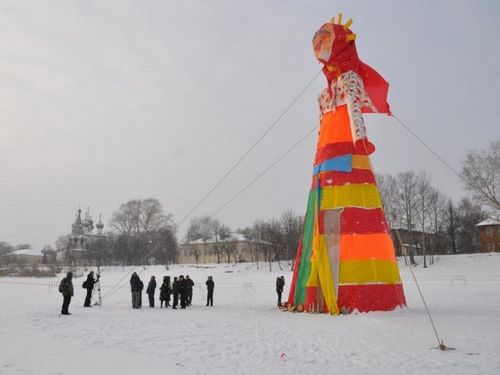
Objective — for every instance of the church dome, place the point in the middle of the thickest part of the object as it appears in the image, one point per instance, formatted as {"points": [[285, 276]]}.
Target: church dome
{"points": [[99, 225]]}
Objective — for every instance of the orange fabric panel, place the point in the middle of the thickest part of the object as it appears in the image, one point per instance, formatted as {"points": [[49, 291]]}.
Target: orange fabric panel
{"points": [[366, 246], [335, 127]]}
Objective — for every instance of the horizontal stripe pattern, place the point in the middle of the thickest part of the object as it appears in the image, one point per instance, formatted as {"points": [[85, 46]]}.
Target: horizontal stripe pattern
{"points": [[353, 195], [361, 162], [339, 164], [341, 148], [359, 221], [367, 246], [368, 271], [333, 150], [357, 176], [371, 297]]}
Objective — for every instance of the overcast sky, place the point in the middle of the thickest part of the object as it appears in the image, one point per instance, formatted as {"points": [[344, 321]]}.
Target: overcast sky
{"points": [[106, 101]]}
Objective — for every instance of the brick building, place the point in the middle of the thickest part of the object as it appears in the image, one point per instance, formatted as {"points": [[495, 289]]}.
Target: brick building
{"points": [[489, 235]]}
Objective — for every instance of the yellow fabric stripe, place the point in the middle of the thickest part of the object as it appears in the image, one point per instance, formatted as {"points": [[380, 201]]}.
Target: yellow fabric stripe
{"points": [[361, 162], [321, 274], [325, 276], [313, 280], [369, 271], [351, 195]]}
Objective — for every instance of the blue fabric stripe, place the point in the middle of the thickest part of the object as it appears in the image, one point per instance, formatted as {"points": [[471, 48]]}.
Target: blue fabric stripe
{"points": [[338, 164]]}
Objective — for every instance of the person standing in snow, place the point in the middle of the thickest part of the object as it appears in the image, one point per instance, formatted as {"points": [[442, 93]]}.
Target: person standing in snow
{"points": [[210, 291], [189, 288], [89, 285], [175, 292], [136, 287], [183, 291], [66, 288], [151, 291], [165, 291], [280, 284]]}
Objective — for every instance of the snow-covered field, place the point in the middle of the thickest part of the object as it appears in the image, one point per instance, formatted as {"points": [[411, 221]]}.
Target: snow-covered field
{"points": [[244, 333]]}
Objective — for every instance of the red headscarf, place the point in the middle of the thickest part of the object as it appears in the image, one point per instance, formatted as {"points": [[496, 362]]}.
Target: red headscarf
{"points": [[336, 50]]}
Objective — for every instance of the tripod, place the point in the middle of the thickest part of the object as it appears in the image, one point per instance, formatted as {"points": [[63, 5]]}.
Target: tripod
{"points": [[97, 288]]}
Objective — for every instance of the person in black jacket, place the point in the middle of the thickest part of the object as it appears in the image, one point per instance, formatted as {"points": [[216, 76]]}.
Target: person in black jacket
{"points": [[189, 288], [151, 291], [136, 286], [89, 285], [66, 288], [165, 291], [210, 291], [280, 284], [175, 292], [183, 291]]}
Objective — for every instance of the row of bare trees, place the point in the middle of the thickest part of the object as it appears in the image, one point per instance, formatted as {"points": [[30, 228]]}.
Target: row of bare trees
{"points": [[431, 222], [276, 239], [207, 229], [271, 240]]}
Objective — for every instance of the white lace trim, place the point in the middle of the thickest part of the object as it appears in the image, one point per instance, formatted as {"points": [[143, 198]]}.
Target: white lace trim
{"points": [[348, 90]]}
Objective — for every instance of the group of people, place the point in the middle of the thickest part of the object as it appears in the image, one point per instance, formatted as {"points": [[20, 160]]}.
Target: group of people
{"points": [[179, 291], [67, 290]]}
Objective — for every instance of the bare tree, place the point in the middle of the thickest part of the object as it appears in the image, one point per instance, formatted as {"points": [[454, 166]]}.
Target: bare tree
{"points": [[481, 175], [223, 233], [202, 228], [469, 214], [388, 188], [438, 207], [138, 217], [49, 255], [269, 239], [5, 248], [251, 236], [291, 226], [140, 224], [451, 225], [423, 192], [406, 204]]}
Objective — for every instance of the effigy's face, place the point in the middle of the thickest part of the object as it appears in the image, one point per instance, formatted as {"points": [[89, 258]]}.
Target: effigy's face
{"points": [[323, 42]]}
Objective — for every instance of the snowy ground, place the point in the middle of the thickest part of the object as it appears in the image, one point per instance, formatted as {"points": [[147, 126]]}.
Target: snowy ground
{"points": [[245, 334]]}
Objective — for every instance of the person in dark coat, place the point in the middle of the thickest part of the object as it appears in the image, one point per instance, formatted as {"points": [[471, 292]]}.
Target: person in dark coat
{"points": [[89, 285], [66, 288], [182, 291], [189, 288], [136, 286], [210, 291], [165, 291], [175, 292], [151, 291], [280, 284]]}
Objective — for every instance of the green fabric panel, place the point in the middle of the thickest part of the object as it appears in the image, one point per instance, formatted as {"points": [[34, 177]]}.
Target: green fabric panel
{"points": [[305, 260]]}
